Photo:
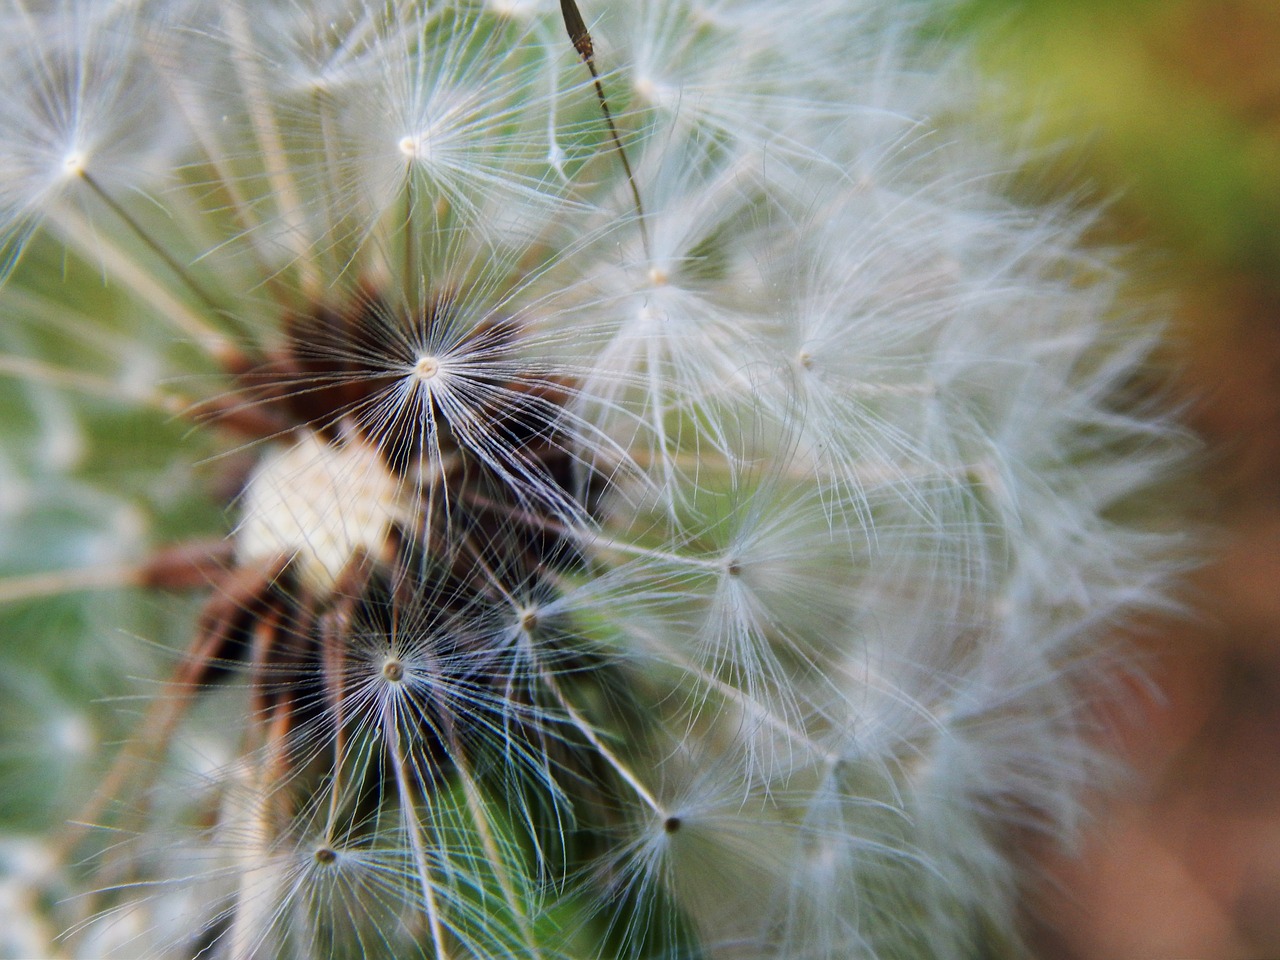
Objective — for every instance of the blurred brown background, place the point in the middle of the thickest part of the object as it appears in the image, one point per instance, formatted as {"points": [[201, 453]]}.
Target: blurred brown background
{"points": [[1171, 109]]}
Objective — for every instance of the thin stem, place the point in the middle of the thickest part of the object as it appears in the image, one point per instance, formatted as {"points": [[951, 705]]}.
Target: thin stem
{"points": [[157, 726], [743, 700], [152, 244], [410, 248], [578, 720], [475, 806], [549, 525], [38, 371], [125, 269], [331, 658], [335, 628], [337, 252], [608, 755], [414, 828], [254, 906], [55, 583], [580, 36], [205, 132], [271, 144]]}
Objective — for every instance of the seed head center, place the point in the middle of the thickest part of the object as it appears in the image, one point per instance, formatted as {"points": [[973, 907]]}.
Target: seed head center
{"points": [[74, 163], [426, 367], [393, 670], [414, 146], [325, 855]]}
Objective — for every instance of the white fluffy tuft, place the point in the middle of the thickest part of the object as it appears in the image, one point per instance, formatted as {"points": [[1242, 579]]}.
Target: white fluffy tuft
{"points": [[738, 565]]}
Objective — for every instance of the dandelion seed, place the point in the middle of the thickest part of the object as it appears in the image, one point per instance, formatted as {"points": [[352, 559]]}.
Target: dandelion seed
{"points": [[633, 494]]}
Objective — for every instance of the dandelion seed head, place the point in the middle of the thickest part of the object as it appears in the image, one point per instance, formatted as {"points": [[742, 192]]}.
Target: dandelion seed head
{"points": [[75, 163], [602, 568], [416, 146], [528, 618], [325, 856], [393, 670], [78, 100], [426, 368]]}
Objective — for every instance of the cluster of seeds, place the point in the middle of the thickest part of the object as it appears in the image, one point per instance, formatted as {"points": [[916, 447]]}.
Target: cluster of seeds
{"points": [[669, 503]]}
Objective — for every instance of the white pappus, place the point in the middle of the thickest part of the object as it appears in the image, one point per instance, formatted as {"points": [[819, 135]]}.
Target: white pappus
{"points": [[686, 528]]}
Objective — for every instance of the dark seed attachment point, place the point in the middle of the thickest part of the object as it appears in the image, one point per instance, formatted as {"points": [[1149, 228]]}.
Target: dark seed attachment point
{"points": [[325, 855], [671, 824]]}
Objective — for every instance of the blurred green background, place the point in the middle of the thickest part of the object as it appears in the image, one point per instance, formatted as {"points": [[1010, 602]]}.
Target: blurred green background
{"points": [[1174, 102], [1169, 112]]}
